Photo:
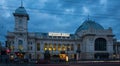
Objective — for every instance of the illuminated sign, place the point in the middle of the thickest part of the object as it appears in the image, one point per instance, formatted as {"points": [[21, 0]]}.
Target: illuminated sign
{"points": [[59, 34]]}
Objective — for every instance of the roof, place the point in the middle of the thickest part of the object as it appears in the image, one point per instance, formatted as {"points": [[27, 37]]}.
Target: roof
{"points": [[89, 24], [21, 11]]}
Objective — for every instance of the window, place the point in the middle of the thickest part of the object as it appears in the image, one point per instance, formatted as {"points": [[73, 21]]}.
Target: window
{"points": [[30, 56], [68, 47], [54, 47], [38, 46], [59, 37], [45, 46], [54, 37], [72, 47], [50, 47], [20, 44], [31, 42], [78, 47], [13, 42], [63, 47], [59, 47], [28, 47], [20, 22], [20, 34], [50, 36], [28, 42], [100, 44], [38, 56], [12, 48], [31, 48]]}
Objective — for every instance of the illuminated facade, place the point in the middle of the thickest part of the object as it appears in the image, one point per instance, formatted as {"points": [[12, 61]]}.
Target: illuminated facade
{"points": [[90, 41]]}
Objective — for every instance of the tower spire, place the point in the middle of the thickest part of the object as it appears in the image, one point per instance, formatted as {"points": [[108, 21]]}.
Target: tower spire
{"points": [[21, 3]]}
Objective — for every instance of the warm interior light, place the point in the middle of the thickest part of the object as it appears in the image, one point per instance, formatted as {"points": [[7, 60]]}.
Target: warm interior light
{"points": [[67, 58], [54, 49], [45, 48], [62, 56], [50, 49], [20, 47]]}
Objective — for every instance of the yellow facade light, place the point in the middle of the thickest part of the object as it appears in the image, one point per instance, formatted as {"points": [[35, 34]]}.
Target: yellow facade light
{"points": [[45, 48], [59, 49], [20, 47], [66, 58], [11, 47], [50, 49], [64, 49], [54, 49], [62, 56]]}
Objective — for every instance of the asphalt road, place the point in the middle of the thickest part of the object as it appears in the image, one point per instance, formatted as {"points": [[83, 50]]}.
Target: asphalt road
{"points": [[81, 64]]}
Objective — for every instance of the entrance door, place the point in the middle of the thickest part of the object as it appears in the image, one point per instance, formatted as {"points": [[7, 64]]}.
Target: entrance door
{"points": [[101, 56]]}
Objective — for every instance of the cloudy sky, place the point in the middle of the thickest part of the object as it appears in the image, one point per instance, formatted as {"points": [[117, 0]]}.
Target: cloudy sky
{"points": [[61, 15]]}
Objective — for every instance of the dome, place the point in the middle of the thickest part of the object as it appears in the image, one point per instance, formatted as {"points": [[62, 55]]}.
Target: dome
{"points": [[21, 10], [89, 24]]}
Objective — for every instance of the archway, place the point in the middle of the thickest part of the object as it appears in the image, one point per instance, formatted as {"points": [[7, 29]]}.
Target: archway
{"points": [[100, 44]]}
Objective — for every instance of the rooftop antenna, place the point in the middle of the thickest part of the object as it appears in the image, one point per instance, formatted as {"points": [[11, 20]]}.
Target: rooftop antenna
{"points": [[21, 3]]}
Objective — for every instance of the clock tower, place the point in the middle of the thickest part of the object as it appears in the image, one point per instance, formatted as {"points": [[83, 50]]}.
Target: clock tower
{"points": [[21, 29], [21, 19]]}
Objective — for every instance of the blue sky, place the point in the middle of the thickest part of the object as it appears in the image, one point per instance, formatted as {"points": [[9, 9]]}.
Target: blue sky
{"points": [[61, 15]]}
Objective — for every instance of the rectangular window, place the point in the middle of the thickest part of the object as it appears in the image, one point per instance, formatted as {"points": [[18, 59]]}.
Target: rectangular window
{"points": [[54, 47], [78, 46], [72, 47], [31, 48], [38, 46], [45, 46], [30, 56], [28, 47], [59, 47], [38, 56], [68, 47]]}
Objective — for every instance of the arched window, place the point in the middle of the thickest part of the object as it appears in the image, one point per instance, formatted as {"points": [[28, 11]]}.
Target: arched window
{"points": [[100, 44], [20, 42], [45, 46], [38, 46]]}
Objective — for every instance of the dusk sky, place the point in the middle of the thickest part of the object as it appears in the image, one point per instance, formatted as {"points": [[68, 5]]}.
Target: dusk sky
{"points": [[63, 16]]}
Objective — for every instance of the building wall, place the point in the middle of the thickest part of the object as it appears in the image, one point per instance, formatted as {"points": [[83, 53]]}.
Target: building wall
{"points": [[82, 42]]}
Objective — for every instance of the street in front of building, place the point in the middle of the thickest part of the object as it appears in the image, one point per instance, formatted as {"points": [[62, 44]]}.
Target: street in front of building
{"points": [[67, 64]]}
